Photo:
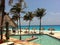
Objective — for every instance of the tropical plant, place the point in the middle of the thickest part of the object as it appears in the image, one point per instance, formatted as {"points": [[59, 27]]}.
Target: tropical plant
{"points": [[17, 8], [15, 17], [7, 31], [2, 8], [28, 17], [40, 13]]}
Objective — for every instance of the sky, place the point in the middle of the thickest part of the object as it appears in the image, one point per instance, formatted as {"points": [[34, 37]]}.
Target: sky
{"points": [[52, 7]]}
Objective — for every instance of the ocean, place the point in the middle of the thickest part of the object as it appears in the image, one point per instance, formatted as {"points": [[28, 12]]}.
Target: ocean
{"points": [[46, 27]]}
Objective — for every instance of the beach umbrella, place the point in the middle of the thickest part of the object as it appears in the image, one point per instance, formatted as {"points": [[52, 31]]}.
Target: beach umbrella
{"points": [[34, 30], [26, 30], [51, 29], [42, 29]]}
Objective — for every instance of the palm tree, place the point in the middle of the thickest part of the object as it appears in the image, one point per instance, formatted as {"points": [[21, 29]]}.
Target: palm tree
{"points": [[2, 6], [28, 17], [17, 8], [15, 17], [7, 30], [40, 13]]}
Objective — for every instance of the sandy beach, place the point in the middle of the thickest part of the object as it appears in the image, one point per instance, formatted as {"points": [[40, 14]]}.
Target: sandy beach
{"points": [[37, 31]]}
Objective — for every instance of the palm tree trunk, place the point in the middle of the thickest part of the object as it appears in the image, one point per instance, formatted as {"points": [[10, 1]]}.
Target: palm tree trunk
{"points": [[3, 7], [17, 24], [40, 25], [29, 25], [20, 26], [7, 32], [20, 1]]}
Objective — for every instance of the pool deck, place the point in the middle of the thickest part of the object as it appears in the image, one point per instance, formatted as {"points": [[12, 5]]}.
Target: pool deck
{"points": [[56, 34]]}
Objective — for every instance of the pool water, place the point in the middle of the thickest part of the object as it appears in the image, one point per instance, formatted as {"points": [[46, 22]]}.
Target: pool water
{"points": [[46, 40], [42, 39]]}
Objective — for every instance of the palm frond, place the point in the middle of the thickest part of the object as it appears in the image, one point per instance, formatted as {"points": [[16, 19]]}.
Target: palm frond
{"points": [[40, 12], [15, 17], [28, 16]]}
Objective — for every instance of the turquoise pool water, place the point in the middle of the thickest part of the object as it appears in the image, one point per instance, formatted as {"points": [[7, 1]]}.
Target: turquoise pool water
{"points": [[42, 39]]}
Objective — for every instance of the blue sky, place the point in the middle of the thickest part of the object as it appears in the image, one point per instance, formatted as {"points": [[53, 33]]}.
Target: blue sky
{"points": [[52, 11]]}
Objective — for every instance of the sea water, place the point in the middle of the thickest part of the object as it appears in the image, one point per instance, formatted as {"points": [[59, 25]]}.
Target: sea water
{"points": [[46, 27]]}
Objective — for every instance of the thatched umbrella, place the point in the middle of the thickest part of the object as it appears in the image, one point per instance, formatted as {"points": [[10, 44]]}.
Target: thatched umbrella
{"points": [[41, 31], [27, 31], [34, 30], [9, 20], [51, 29]]}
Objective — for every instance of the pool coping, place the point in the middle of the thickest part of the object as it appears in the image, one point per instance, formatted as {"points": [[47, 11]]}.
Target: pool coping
{"points": [[37, 34], [52, 36]]}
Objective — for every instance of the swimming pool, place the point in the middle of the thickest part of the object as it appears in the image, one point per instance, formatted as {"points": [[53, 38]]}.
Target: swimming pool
{"points": [[42, 39]]}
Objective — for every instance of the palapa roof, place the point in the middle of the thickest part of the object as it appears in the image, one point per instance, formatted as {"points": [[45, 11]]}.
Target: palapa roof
{"points": [[9, 20]]}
